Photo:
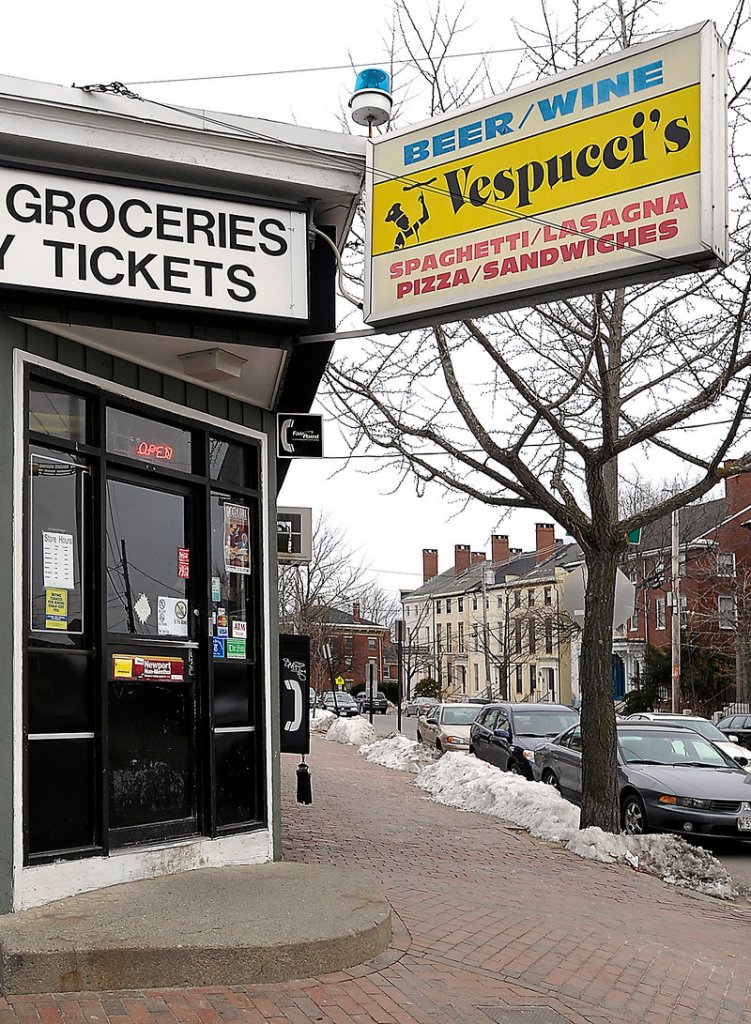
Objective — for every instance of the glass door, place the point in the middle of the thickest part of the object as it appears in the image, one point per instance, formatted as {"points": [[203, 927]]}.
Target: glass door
{"points": [[152, 607]]}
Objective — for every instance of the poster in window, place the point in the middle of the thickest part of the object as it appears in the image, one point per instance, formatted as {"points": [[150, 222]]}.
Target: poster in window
{"points": [[236, 539], [57, 560]]}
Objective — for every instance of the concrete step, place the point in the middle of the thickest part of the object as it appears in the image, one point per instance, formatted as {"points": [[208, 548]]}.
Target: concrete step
{"points": [[213, 926]]}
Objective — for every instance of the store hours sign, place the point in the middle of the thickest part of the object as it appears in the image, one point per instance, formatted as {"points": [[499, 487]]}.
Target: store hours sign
{"points": [[126, 242]]}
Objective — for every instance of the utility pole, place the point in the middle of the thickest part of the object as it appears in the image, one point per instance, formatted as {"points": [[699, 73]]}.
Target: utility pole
{"points": [[399, 642], [488, 576], [675, 620]]}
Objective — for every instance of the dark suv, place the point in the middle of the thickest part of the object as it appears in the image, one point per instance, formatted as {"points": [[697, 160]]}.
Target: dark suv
{"points": [[737, 725], [506, 734], [380, 703]]}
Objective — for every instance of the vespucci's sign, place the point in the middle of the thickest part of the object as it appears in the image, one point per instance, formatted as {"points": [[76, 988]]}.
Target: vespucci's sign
{"points": [[127, 242], [610, 173]]}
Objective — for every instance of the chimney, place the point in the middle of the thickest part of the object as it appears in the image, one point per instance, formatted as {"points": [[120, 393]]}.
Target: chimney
{"points": [[356, 611], [429, 564], [477, 556], [544, 541], [499, 547], [461, 558], [737, 488]]}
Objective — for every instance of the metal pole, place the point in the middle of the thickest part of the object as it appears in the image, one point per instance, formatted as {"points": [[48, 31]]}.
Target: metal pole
{"points": [[485, 637], [371, 690], [326, 652], [399, 631], [675, 621]]}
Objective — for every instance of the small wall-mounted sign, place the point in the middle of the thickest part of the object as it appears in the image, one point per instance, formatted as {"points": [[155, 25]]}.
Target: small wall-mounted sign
{"points": [[299, 436], [144, 670]]}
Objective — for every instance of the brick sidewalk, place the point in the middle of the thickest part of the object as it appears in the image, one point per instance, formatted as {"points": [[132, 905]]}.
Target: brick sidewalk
{"points": [[489, 920]]}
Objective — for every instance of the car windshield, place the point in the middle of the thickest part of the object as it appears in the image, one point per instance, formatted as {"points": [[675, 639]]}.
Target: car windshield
{"points": [[543, 723], [671, 748], [460, 715], [341, 698], [700, 725]]}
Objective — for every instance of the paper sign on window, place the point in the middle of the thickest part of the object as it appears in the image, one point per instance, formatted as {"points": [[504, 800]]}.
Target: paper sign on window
{"points": [[57, 559], [236, 539]]}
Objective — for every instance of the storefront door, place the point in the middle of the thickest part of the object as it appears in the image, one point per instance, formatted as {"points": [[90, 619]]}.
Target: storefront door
{"points": [[152, 667]]}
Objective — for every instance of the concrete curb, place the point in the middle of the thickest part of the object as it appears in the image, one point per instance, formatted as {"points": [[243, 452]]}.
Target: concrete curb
{"points": [[214, 926]]}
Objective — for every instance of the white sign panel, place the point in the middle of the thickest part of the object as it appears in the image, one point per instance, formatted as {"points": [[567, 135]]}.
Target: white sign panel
{"points": [[612, 172], [127, 242], [172, 616], [57, 560]]}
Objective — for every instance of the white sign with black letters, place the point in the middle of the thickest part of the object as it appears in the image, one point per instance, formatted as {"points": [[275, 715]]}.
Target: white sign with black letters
{"points": [[127, 242]]}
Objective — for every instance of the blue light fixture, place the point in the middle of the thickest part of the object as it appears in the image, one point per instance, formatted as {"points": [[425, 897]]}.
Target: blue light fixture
{"points": [[371, 101]]}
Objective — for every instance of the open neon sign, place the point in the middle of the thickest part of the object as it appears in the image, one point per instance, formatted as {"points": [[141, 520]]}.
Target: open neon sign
{"points": [[152, 450]]}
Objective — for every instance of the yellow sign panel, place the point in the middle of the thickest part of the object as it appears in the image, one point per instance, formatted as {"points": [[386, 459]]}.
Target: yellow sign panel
{"points": [[55, 608], [651, 142], [609, 173]]}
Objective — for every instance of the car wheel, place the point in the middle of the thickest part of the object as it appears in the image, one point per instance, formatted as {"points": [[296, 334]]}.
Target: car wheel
{"points": [[419, 737], [633, 815], [513, 767], [551, 779], [438, 746]]}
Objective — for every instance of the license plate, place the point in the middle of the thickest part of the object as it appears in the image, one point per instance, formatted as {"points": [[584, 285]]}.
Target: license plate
{"points": [[744, 824]]}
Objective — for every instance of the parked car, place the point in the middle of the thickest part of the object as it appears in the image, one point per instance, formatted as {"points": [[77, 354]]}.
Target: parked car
{"points": [[670, 779], [341, 703], [419, 705], [737, 728], [701, 725], [507, 734], [379, 702], [446, 726]]}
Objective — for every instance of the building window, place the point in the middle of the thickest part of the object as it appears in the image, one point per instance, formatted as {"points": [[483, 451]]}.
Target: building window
{"points": [[460, 638], [449, 639], [518, 637], [532, 634], [438, 606], [726, 563], [681, 563], [474, 602], [726, 611], [660, 613], [500, 601], [476, 672], [530, 598], [463, 674], [460, 604], [548, 595], [532, 678], [519, 679], [448, 605], [633, 622], [475, 637], [517, 599], [371, 643], [438, 634], [548, 636], [449, 676], [684, 610]]}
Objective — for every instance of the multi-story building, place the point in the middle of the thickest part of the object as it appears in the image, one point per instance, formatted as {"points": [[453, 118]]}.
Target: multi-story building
{"points": [[493, 628], [714, 542], [359, 648]]}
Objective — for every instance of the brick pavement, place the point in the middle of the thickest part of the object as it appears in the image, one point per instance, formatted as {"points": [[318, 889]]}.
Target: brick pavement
{"points": [[487, 918]]}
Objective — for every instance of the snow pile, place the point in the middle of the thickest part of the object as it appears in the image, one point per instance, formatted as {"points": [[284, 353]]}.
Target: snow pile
{"points": [[472, 785], [399, 753], [322, 721], [356, 730], [669, 857]]}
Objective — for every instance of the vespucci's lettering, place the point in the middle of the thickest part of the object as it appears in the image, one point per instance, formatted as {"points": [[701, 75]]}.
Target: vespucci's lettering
{"points": [[517, 185]]}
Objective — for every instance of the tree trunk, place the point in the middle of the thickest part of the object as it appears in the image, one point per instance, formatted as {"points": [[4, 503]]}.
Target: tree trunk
{"points": [[599, 780]]}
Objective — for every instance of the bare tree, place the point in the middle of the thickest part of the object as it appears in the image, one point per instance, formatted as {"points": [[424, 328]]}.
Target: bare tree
{"points": [[549, 408]]}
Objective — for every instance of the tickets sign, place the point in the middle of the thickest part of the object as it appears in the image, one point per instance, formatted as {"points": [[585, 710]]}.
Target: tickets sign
{"points": [[612, 173], [125, 242]]}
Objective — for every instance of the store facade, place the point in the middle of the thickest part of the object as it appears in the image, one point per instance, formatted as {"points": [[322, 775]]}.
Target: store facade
{"points": [[155, 278]]}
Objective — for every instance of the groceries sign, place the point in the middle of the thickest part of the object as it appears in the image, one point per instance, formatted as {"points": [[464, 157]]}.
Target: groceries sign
{"points": [[126, 242], [613, 172]]}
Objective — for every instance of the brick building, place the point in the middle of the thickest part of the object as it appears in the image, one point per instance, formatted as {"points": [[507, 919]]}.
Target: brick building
{"points": [[356, 645], [714, 540]]}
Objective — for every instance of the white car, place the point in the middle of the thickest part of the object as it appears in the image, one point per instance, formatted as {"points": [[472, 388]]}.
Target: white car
{"points": [[446, 726], [701, 725]]}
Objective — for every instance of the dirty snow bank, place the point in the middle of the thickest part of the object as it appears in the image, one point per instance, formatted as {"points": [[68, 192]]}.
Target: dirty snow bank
{"points": [[400, 753], [322, 721], [472, 785], [351, 730]]}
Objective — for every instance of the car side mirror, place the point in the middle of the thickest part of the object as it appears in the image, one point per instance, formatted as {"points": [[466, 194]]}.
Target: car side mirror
{"points": [[742, 761], [732, 738], [502, 734]]}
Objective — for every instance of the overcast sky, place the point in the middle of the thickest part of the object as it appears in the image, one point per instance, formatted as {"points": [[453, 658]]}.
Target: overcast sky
{"points": [[139, 43]]}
